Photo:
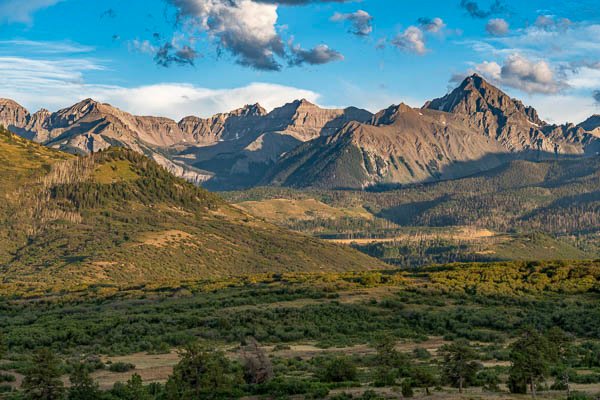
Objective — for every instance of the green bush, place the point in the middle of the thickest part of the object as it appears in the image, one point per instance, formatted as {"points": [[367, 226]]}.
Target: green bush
{"points": [[339, 369], [121, 367], [407, 388]]}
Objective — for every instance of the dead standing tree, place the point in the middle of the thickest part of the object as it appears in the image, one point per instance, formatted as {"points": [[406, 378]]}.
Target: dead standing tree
{"points": [[258, 368]]}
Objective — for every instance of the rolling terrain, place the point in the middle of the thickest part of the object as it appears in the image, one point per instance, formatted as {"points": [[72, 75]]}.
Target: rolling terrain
{"points": [[521, 210], [116, 217]]}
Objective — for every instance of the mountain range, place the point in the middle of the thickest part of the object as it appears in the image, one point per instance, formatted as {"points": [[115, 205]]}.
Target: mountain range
{"points": [[474, 128]]}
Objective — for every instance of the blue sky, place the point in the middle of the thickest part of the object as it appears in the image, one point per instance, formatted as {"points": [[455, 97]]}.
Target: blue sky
{"points": [[179, 57]]}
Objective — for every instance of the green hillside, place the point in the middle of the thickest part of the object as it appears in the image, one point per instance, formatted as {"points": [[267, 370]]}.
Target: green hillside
{"points": [[521, 211], [118, 218]]}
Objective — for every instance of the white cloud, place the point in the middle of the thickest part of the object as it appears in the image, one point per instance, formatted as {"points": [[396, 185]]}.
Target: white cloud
{"points": [[45, 47], [586, 77], [22, 10], [43, 82], [361, 22], [176, 100], [553, 40], [497, 27], [411, 40], [243, 27], [246, 29], [490, 70], [519, 72], [529, 76], [563, 108], [434, 25], [321, 54], [55, 84]]}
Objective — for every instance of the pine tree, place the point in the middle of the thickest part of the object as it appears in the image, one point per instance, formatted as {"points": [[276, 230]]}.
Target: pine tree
{"points": [[530, 356], [459, 366], [83, 386], [42, 379]]}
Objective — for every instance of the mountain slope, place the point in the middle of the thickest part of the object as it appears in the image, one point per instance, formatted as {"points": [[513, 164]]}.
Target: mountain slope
{"points": [[473, 129], [241, 157], [118, 218], [227, 148]]}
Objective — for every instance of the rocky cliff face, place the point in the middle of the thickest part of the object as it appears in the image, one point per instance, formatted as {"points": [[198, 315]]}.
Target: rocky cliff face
{"points": [[239, 147], [225, 144], [474, 128], [90, 126], [306, 121]]}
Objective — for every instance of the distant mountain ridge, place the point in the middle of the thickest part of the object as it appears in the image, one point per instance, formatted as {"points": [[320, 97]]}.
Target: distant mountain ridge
{"points": [[474, 128], [90, 126], [471, 129]]}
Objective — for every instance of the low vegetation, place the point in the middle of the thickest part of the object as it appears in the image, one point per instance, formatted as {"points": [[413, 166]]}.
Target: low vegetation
{"points": [[349, 335]]}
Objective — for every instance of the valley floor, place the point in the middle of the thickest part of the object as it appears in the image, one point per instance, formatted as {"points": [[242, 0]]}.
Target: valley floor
{"points": [[306, 321]]}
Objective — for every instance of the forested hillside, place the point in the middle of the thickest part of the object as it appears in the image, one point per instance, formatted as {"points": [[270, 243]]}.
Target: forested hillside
{"points": [[117, 217], [522, 210]]}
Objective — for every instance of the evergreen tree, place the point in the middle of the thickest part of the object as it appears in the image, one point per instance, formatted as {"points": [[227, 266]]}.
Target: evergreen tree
{"points": [[459, 365], [530, 356], [135, 389], [42, 379], [83, 386], [202, 374], [390, 363], [423, 377], [3, 346], [563, 355]]}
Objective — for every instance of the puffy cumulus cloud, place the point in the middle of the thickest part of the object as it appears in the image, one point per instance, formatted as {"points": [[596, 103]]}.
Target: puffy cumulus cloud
{"points": [[497, 27], [22, 10], [55, 84], [523, 74], [550, 22], [244, 28], [434, 25], [321, 54], [361, 22], [476, 11], [412, 40]]}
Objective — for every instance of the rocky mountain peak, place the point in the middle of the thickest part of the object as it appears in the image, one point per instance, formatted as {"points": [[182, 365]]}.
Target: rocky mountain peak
{"points": [[12, 114], [391, 114], [249, 110], [475, 95]]}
